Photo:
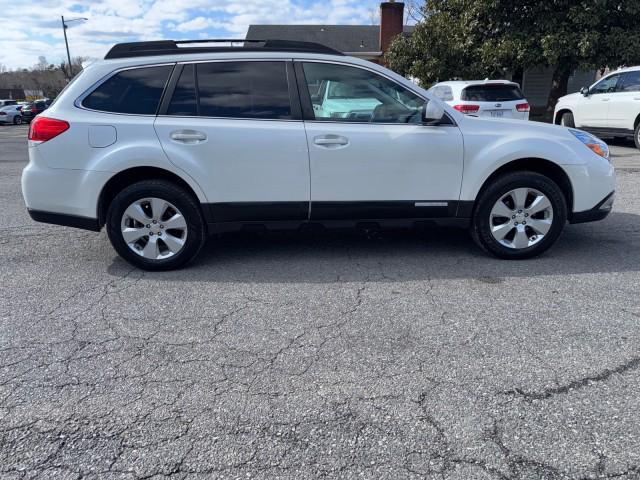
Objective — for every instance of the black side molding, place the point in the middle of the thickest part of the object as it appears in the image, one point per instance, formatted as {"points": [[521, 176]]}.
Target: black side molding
{"points": [[75, 221]]}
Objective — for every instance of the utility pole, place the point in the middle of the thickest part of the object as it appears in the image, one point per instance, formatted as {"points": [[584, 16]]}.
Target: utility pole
{"points": [[66, 42]]}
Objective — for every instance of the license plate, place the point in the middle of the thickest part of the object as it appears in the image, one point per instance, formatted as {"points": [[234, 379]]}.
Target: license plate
{"points": [[497, 113]]}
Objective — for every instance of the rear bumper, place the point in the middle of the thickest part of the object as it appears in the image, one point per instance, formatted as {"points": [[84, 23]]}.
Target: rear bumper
{"points": [[66, 220], [600, 211], [61, 191]]}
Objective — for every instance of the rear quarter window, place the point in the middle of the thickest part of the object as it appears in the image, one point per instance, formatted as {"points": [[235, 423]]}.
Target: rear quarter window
{"points": [[492, 93], [443, 92], [134, 91]]}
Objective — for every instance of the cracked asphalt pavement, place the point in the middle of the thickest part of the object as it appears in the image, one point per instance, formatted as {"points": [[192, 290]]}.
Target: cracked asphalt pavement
{"points": [[334, 355]]}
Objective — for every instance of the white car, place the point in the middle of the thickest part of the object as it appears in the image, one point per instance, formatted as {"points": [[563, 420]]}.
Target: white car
{"points": [[610, 107], [163, 143], [6, 103], [11, 114], [487, 98]]}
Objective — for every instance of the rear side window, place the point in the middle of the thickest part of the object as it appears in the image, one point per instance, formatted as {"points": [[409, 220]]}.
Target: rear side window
{"points": [[492, 93], [630, 82], [184, 100], [135, 91], [233, 90]]}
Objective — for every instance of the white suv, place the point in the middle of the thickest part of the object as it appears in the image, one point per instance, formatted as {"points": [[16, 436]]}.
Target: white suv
{"points": [[609, 107], [486, 98], [166, 142]]}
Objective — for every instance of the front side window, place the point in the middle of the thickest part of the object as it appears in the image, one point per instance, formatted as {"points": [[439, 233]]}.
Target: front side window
{"points": [[349, 94], [606, 85], [630, 82], [135, 91], [243, 90]]}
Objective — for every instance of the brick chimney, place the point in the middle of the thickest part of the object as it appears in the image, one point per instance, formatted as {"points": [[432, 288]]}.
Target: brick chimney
{"points": [[391, 22]]}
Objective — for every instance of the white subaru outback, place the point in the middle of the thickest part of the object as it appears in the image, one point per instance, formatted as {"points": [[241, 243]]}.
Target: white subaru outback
{"points": [[166, 142]]}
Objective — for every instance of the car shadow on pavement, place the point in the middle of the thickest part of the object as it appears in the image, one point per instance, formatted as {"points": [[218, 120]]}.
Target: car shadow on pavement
{"points": [[621, 142], [609, 246]]}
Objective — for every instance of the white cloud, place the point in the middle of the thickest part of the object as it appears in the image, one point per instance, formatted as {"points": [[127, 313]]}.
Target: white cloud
{"points": [[198, 23], [111, 21]]}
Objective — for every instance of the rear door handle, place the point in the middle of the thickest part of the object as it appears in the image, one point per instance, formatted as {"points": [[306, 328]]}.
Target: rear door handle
{"points": [[188, 136], [331, 141], [606, 99]]}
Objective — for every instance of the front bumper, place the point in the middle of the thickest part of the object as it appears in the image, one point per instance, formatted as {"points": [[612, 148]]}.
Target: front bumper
{"points": [[600, 211]]}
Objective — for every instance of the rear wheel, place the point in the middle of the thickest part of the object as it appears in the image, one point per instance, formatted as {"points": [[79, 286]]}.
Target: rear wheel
{"points": [[520, 215], [156, 225], [567, 120], [636, 136]]}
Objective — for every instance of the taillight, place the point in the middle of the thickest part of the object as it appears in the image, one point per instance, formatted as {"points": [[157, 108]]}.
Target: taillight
{"points": [[3, 113], [522, 107], [43, 128], [467, 108]]}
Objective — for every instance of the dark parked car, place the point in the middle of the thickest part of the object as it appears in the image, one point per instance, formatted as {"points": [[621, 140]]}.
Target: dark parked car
{"points": [[34, 108]]}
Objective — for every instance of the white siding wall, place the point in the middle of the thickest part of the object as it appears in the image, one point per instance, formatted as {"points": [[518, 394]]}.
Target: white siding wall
{"points": [[536, 84]]}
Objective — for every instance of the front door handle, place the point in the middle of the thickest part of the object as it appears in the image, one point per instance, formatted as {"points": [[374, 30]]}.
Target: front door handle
{"points": [[331, 141], [606, 99], [188, 136]]}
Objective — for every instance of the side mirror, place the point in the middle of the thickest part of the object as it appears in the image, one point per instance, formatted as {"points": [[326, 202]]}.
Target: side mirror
{"points": [[432, 112], [584, 91]]}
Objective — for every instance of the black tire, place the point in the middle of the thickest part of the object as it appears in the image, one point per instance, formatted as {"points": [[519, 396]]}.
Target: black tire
{"points": [[481, 221], [567, 120], [17, 120], [170, 192], [636, 136]]}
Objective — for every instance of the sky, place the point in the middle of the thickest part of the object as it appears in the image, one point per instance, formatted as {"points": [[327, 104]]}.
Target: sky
{"points": [[33, 28]]}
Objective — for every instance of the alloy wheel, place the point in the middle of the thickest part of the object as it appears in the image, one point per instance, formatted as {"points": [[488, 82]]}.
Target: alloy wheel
{"points": [[154, 228], [521, 218]]}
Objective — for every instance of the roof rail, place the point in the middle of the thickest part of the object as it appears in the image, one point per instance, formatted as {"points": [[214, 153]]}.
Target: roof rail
{"points": [[168, 47]]}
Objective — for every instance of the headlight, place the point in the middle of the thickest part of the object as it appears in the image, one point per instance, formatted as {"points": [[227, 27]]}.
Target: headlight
{"points": [[596, 145]]}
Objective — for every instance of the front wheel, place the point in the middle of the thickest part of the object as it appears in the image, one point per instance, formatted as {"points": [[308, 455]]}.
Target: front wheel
{"points": [[155, 225], [636, 136], [567, 120], [17, 120], [518, 216]]}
